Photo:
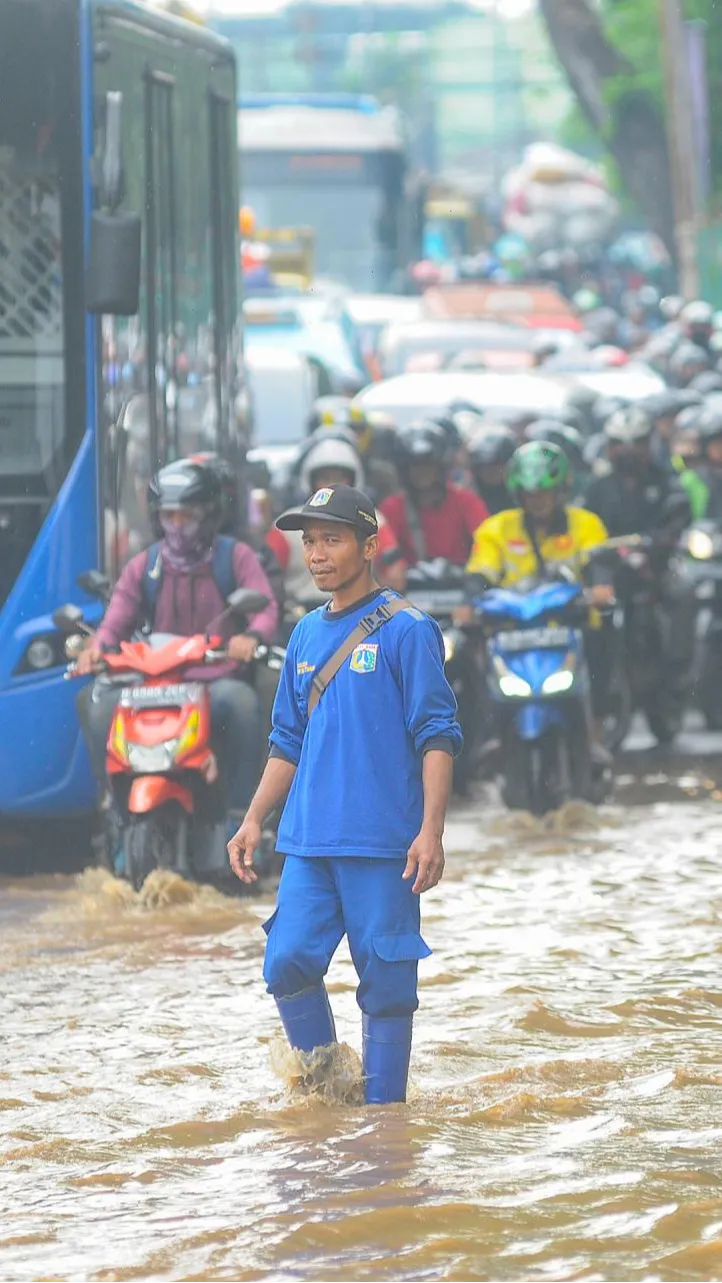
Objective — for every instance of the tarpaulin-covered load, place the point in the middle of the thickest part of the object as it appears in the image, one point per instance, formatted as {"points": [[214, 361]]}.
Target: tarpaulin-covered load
{"points": [[556, 199]]}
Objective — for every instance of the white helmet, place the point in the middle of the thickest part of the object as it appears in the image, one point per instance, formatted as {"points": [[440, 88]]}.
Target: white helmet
{"points": [[331, 453], [628, 425]]}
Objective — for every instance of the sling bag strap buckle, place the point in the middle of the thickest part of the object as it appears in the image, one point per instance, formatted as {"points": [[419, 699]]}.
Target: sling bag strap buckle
{"points": [[375, 619]]}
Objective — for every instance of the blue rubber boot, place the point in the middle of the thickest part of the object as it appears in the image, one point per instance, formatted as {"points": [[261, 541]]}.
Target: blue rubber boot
{"points": [[307, 1018], [386, 1056]]}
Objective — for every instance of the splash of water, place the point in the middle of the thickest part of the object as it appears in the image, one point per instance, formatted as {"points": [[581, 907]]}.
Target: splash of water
{"points": [[328, 1074]]}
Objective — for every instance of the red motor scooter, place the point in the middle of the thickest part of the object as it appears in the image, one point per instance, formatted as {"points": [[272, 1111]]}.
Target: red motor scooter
{"points": [[162, 771]]}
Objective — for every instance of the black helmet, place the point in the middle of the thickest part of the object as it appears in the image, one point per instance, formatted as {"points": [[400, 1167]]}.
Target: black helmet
{"points": [[230, 507], [663, 405], [603, 409], [185, 484], [706, 382], [559, 434], [688, 419], [492, 445], [422, 442], [446, 420], [686, 355]]}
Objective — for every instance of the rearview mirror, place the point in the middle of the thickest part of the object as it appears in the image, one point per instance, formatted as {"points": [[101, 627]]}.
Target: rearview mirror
{"points": [[112, 283], [247, 601], [95, 584], [68, 619]]}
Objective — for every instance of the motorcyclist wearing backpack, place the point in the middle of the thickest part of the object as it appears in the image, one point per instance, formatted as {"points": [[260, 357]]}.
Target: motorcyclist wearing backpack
{"points": [[179, 586]]}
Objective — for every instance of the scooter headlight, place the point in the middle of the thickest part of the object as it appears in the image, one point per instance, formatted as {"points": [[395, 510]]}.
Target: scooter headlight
{"points": [[700, 545], [152, 759], [513, 687], [559, 682]]}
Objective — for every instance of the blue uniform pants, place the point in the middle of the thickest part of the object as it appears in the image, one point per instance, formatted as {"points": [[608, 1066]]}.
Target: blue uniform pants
{"points": [[322, 899]]}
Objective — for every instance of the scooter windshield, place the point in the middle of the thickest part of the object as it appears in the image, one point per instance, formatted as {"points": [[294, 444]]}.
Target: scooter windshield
{"points": [[503, 603]]}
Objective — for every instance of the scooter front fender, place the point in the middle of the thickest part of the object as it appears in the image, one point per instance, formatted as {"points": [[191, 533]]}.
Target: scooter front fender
{"points": [[534, 718], [148, 792]]}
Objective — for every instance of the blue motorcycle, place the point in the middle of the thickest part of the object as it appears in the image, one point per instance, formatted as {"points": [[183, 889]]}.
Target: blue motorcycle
{"points": [[540, 692]]}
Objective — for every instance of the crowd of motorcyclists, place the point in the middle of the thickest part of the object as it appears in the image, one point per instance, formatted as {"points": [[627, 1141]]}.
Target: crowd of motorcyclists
{"points": [[501, 499]]}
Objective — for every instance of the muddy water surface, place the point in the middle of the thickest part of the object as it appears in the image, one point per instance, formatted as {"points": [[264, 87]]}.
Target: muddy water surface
{"points": [[565, 1120]]}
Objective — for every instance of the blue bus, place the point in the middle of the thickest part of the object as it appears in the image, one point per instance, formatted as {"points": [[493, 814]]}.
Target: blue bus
{"points": [[119, 329]]}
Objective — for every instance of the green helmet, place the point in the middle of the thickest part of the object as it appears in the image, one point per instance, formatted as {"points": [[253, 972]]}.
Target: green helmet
{"points": [[538, 465]]}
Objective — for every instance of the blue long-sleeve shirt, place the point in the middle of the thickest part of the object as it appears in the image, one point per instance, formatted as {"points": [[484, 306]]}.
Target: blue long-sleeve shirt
{"points": [[358, 787]]}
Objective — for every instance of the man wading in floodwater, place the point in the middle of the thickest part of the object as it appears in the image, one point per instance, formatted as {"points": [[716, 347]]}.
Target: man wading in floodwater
{"points": [[364, 732]]}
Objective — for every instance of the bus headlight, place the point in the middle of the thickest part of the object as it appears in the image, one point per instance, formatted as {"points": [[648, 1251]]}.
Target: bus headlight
{"points": [[40, 654], [558, 683], [513, 687]]}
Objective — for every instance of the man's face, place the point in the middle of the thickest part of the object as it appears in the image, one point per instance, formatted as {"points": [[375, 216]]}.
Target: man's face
{"points": [[631, 459], [714, 452], [541, 504], [334, 555], [323, 477], [181, 518], [687, 446], [424, 476], [665, 426]]}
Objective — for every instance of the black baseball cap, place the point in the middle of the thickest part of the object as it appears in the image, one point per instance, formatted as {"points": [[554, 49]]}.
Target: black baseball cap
{"points": [[344, 505]]}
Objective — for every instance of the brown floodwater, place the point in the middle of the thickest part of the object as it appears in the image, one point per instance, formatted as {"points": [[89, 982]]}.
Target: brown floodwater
{"points": [[565, 1116]]}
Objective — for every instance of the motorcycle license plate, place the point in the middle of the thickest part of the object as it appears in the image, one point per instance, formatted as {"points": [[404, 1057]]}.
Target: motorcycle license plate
{"points": [[534, 638], [162, 696]]}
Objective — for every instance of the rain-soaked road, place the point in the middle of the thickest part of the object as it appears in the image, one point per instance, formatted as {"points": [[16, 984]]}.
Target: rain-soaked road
{"points": [[565, 1120]]}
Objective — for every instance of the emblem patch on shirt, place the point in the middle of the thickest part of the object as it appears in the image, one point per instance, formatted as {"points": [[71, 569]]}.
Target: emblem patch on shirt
{"points": [[304, 667], [321, 498], [363, 658], [518, 545]]}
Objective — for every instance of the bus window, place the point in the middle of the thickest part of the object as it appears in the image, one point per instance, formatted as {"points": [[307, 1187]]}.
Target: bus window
{"points": [[34, 210]]}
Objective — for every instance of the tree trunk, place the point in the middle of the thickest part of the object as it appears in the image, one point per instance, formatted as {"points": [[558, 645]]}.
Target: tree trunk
{"points": [[633, 128]]}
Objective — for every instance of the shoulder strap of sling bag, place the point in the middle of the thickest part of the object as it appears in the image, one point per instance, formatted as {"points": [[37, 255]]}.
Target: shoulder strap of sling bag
{"points": [[370, 624]]}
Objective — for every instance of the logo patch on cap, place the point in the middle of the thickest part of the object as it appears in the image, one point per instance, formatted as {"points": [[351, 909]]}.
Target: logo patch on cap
{"points": [[321, 498], [367, 516]]}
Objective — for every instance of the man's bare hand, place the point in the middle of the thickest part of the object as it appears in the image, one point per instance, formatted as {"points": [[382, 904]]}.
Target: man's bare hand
{"points": [[242, 648], [242, 848], [426, 859], [601, 595], [88, 659]]}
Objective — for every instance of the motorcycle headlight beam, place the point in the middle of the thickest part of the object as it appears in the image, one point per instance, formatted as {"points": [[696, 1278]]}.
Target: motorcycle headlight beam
{"points": [[559, 682], [513, 687], [700, 545]]}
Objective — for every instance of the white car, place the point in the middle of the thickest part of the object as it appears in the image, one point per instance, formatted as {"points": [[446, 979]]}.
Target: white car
{"points": [[413, 396]]}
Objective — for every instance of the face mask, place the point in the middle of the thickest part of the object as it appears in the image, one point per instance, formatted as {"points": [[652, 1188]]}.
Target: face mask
{"points": [[185, 543]]}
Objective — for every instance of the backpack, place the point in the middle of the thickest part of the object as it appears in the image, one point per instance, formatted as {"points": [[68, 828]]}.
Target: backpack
{"points": [[221, 565]]}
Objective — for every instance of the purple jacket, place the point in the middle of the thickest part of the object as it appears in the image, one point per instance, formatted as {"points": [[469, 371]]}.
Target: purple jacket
{"points": [[188, 602]]}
